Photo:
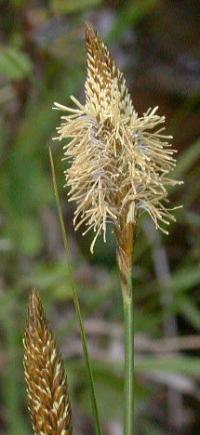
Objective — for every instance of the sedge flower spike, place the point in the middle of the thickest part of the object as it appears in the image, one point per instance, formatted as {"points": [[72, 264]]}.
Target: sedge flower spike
{"points": [[119, 162], [46, 382]]}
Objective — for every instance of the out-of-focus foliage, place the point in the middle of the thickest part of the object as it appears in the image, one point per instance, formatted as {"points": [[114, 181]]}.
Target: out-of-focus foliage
{"points": [[14, 64], [42, 60], [73, 6]]}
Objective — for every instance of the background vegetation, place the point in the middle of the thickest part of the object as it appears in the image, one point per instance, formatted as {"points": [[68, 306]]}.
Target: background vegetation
{"points": [[42, 60]]}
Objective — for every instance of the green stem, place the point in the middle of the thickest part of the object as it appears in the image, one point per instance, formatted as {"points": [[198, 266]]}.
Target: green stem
{"points": [[129, 362], [125, 238], [76, 301]]}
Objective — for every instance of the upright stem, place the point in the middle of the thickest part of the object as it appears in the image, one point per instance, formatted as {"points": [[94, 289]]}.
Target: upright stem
{"points": [[125, 261], [76, 302], [129, 364]]}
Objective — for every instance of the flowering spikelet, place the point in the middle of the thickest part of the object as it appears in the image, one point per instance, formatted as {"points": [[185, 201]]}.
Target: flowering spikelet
{"points": [[119, 162], [47, 389]]}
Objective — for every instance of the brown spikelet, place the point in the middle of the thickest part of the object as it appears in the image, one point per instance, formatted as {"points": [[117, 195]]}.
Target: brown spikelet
{"points": [[102, 73], [46, 382]]}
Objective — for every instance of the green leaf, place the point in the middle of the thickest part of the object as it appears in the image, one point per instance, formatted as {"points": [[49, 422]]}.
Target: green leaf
{"points": [[190, 311], [187, 159], [14, 64], [179, 364], [72, 6], [185, 278]]}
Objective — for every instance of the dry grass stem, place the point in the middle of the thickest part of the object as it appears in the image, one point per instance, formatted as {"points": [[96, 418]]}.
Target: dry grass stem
{"points": [[46, 382]]}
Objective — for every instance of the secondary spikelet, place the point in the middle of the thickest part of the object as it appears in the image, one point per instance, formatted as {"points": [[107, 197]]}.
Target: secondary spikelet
{"points": [[46, 382], [119, 162]]}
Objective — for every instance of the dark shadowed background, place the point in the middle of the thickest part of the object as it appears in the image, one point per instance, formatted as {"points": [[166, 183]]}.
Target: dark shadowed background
{"points": [[42, 60]]}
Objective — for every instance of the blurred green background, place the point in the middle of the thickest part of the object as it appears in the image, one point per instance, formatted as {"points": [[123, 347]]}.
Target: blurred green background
{"points": [[42, 60]]}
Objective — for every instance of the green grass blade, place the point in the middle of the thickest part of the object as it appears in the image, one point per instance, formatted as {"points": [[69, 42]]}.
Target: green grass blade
{"points": [[187, 159], [76, 299]]}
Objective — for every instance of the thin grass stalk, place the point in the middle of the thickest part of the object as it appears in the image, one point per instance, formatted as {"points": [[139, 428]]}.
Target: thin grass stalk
{"points": [[76, 301], [125, 262], [129, 364]]}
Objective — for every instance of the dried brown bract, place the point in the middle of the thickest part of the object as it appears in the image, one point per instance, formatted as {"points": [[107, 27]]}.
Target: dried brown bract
{"points": [[46, 382], [119, 162]]}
